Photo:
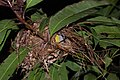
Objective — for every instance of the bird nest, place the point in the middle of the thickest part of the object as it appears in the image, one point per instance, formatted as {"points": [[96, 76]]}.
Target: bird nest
{"points": [[48, 50]]}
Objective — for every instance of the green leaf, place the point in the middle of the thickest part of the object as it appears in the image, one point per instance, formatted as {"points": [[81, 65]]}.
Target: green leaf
{"points": [[95, 69], [104, 44], [102, 19], [58, 73], [10, 64], [90, 77], [110, 30], [63, 74], [107, 42], [5, 28], [41, 19], [54, 73], [71, 14], [3, 37], [109, 9], [112, 76], [37, 73], [107, 61], [109, 35], [31, 3], [43, 24], [38, 16], [82, 33], [73, 66], [95, 37]]}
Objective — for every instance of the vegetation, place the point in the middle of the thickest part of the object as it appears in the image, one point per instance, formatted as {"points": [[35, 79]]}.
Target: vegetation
{"points": [[81, 41]]}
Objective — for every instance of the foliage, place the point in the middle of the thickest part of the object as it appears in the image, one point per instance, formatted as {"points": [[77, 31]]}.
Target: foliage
{"points": [[10, 64], [86, 48]]}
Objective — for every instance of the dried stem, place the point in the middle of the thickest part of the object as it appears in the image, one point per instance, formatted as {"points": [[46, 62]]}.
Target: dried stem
{"points": [[28, 26]]}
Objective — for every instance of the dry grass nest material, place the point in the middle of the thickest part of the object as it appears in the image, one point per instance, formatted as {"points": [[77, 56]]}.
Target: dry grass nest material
{"points": [[48, 51]]}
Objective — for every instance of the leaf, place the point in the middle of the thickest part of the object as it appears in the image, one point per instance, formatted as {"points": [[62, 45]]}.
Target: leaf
{"points": [[37, 74], [102, 19], [109, 35], [109, 9], [107, 42], [71, 14], [40, 18], [104, 44], [5, 28], [107, 29], [112, 76], [95, 37], [95, 69], [38, 15], [90, 77], [3, 37], [73, 66], [54, 73], [43, 24], [30, 3], [107, 61], [63, 74], [10, 64], [82, 33], [58, 73]]}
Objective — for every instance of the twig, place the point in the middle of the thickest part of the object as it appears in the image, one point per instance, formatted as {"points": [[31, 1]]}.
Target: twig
{"points": [[28, 26]]}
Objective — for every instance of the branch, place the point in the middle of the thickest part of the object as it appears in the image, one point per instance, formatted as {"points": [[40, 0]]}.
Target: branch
{"points": [[28, 26]]}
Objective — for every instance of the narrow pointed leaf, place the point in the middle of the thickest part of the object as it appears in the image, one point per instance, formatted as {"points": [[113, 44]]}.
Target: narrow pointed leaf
{"points": [[3, 37], [5, 28], [54, 73], [102, 19], [43, 24], [71, 14], [107, 42], [10, 64], [108, 35], [31, 3], [73, 66]]}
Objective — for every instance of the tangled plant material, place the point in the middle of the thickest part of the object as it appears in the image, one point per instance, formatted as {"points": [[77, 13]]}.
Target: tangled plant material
{"points": [[48, 51]]}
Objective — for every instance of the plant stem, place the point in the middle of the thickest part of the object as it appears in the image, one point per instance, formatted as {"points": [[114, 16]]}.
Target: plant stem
{"points": [[28, 26]]}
